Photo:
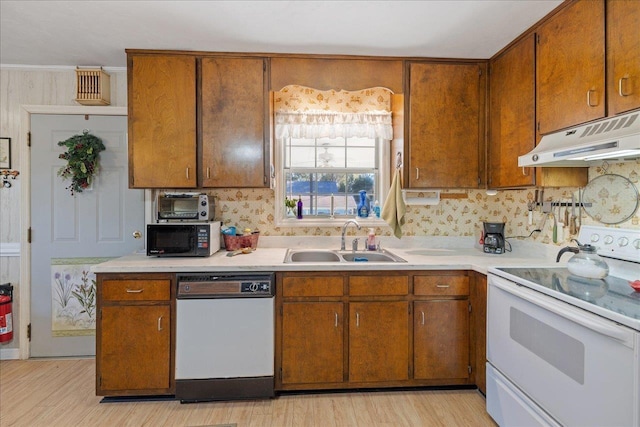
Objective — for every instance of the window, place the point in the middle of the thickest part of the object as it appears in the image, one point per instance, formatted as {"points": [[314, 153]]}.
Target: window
{"points": [[330, 172], [330, 146]]}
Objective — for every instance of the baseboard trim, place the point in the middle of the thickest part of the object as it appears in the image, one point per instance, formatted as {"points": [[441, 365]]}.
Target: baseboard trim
{"points": [[9, 353]]}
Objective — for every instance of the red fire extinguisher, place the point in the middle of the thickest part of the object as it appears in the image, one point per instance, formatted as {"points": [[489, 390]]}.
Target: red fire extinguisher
{"points": [[6, 320]]}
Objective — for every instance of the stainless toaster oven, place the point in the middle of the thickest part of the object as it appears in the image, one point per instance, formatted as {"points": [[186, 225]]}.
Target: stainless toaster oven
{"points": [[185, 207]]}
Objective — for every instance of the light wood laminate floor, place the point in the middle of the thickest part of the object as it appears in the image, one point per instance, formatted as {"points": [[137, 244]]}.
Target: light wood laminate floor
{"points": [[61, 392]]}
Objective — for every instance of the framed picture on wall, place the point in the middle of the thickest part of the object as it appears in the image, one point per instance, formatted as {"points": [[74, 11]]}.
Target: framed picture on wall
{"points": [[5, 153]]}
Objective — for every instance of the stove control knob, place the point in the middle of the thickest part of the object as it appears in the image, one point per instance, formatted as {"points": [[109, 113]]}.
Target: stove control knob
{"points": [[608, 240], [253, 287], [636, 244], [595, 238], [623, 241]]}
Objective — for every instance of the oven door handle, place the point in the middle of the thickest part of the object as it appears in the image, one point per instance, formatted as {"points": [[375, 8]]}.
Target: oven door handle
{"points": [[548, 303]]}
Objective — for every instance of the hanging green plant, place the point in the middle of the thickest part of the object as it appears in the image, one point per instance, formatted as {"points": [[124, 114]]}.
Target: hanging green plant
{"points": [[82, 156]]}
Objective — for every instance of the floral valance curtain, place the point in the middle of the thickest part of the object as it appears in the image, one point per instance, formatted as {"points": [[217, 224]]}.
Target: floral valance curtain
{"points": [[303, 112]]}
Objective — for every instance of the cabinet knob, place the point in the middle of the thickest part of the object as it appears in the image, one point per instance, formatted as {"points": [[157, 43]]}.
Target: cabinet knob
{"points": [[137, 234]]}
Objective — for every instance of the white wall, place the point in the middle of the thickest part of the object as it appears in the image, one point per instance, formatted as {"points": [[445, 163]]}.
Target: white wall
{"points": [[31, 86], [56, 86]]}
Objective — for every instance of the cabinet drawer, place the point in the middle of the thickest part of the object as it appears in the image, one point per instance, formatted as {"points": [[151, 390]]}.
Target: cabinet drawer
{"points": [[136, 290], [441, 285], [378, 285], [319, 286]]}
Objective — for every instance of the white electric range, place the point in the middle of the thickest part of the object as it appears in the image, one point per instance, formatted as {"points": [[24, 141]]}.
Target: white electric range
{"points": [[563, 350]]}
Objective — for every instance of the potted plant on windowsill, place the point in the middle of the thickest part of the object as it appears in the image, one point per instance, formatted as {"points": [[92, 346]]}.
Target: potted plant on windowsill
{"points": [[290, 204]]}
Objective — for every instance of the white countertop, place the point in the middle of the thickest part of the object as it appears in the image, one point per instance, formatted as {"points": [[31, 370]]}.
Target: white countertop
{"points": [[421, 253]]}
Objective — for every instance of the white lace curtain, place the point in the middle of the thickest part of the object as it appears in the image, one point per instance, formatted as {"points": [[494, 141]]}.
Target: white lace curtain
{"points": [[303, 112]]}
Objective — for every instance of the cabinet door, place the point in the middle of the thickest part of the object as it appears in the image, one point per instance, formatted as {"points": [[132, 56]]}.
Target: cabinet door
{"points": [[445, 125], [441, 339], [378, 341], [312, 342], [233, 119], [479, 329], [570, 67], [623, 55], [512, 115], [135, 349], [162, 121]]}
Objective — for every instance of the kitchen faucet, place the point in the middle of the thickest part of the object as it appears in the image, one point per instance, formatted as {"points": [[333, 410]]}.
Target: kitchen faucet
{"points": [[344, 230]]}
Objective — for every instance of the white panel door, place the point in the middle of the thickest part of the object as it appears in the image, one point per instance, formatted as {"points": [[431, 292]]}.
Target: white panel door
{"points": [[72, 232]]}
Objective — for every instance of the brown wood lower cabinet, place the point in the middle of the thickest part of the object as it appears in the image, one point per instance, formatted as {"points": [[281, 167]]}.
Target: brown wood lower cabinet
{"points": [[135, 348], [441, 339], [312, 342], [134, 334], [378, 341], [479, 329], [340, 330]]}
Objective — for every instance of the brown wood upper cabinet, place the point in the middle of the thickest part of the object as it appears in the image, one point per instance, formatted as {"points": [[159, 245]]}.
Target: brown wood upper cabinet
{"points": [[234, 122], [336, 73], [512, 115], [512, 118], [162, 121], [571, 67], [226, 97], [446, 125], [623, 55]]}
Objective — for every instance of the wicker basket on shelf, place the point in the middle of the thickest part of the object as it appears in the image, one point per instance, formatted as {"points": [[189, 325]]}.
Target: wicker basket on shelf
{"points": [[233, 243]]}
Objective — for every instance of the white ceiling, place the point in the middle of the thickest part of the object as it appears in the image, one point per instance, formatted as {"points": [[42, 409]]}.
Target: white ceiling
{"points": [[70, 33]]}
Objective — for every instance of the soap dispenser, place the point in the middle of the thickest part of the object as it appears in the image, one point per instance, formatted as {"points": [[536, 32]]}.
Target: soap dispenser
{"points": [[371, 240]]}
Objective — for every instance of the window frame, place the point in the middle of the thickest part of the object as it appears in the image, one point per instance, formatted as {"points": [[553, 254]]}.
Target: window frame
{"points": [[383, 148]]}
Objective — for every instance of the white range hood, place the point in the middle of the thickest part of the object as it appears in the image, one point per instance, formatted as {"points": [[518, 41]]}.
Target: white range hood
{"points": [[614, 139]]}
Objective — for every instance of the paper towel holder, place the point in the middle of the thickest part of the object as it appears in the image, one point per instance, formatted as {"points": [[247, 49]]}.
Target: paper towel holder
{"points": [[421, 197]]}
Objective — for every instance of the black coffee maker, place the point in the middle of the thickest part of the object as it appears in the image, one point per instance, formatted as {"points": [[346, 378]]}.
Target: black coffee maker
{"points": [[493, 237]]}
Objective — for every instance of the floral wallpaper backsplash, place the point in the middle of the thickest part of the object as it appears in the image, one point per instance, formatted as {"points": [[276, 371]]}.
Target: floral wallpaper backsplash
{"points": [[254, 208]]}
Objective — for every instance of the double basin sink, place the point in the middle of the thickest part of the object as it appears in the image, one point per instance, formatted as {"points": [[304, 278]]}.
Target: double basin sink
{"points": [[333, 256]]}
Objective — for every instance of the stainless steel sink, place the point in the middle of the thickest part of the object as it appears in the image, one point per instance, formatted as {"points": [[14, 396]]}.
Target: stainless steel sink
{"points": [[365, 256], [312, 256], [328, 255]]}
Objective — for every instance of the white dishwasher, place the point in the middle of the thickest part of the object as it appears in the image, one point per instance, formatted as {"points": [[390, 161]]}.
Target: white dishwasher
{"points": [[224, 336]]}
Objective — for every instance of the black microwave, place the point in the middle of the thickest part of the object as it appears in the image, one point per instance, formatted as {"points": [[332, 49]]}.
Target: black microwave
{"points": [[183, 239]]}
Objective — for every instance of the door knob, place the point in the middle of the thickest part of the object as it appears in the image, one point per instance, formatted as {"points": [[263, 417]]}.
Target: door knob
{"points": [[137, 234]]}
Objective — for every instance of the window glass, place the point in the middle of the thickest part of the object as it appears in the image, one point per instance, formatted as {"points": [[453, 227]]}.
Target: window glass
{"points": [[331, 170]]}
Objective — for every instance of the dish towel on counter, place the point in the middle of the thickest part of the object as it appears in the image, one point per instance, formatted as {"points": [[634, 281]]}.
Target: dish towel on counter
{"points": [[394, 208]]}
